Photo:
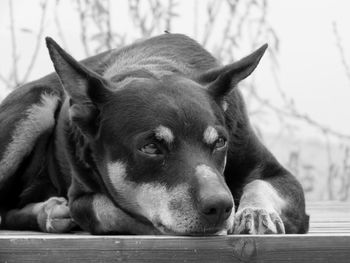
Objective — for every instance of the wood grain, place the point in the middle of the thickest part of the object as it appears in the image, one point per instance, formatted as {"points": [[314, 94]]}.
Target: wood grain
{"points": [[328, 241]]}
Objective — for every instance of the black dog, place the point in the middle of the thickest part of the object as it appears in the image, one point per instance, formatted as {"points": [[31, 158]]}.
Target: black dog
{"points": [[152, 138]]}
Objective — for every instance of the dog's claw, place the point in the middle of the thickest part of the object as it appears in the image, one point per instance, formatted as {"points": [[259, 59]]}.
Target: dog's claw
{"points": [[54, 216], [253, 220]]}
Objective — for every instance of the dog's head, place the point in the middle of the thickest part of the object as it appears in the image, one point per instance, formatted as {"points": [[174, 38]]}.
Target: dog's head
{"points": [[159, 143]]}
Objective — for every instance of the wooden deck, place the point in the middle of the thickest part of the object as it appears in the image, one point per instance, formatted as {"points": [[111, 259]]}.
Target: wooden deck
{"points": [[328, 241]]}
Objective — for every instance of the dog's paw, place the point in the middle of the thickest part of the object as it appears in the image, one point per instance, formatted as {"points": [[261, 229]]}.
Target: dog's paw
{"points": [[54, 216], [252, 220]]}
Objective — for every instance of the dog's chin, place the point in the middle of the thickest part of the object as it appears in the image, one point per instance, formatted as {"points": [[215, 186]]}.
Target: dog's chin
{"points": [[210, 231]]}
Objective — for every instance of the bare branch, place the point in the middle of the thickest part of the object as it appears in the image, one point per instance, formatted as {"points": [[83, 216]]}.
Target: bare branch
{"points": [[293, 113], [14, 45], [212, 11], [227, 29], [59, 27], [195, 23], [38, 41], [83, 34], [5, 81], [158, 18], [341, 50], [109, 26], [139, 20], [170, 14]]}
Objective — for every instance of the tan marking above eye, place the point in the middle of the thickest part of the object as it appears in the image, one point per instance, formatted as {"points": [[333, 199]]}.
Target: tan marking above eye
{"points": [[210, 135], [164, 133]]}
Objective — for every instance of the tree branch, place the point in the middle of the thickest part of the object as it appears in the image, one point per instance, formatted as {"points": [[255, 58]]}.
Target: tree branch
{"points": [[38, 41], [14, 45], [341, 50]]}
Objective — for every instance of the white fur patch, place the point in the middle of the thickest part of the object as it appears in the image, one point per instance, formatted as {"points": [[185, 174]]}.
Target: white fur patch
{"points": [[40, 118], [111, 218], [117, 174], [164, 133], [170, 208], [205, 171], [151, 199], [104, 210], [261, 194], [210, 135], [154, 200], [230, 221]]}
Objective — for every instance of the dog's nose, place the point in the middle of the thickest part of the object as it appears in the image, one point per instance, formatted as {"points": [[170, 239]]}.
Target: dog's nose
{"points": [[215, 199], [216, 208]]}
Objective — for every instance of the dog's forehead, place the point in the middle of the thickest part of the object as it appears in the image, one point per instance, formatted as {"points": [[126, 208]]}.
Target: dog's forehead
{"points": [[162, 105]]}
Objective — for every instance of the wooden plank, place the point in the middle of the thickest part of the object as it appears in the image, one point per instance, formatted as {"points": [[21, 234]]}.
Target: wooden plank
{"points": [[70, 248], [329, 217], [328, 241]]}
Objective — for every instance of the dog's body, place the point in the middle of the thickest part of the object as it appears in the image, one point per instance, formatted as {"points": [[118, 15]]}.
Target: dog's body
{"points": [[148, 139]]}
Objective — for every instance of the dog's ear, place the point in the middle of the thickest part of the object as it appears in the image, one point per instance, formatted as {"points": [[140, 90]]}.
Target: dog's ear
{"points": [[86, 89], [221, 80]]}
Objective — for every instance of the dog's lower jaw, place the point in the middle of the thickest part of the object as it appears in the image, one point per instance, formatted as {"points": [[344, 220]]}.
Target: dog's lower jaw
{"points": [[205, 232], [226, 229]]}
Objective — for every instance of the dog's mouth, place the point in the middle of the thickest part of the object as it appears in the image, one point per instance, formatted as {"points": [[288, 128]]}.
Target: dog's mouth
{"points": [[205, 231]]}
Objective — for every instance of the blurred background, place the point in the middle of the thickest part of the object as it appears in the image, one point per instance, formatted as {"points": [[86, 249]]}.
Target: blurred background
{"points": [[298, 98]]}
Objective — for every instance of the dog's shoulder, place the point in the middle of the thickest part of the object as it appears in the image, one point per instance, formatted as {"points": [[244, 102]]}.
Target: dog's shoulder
{"points": [[171, 52], [26, 114], [188, 50], [182, 47]]}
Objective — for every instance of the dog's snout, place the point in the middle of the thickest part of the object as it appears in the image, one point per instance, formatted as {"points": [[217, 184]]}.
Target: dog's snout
{"points": [[216, 208], [215, 199]]}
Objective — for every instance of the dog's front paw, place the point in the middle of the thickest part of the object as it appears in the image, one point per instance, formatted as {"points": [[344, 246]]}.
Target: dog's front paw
{"points": [[54, 216], [252, 220]]}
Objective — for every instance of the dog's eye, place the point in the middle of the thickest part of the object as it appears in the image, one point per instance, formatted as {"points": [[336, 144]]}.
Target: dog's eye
{"points": [[150, 149], [220, 143]]}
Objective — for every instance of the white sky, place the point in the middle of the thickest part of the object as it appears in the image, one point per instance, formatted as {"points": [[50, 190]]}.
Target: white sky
{"points": [[310, 72], [311, 68]]}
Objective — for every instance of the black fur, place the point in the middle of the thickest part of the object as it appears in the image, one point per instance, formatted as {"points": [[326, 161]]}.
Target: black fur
{"points": [[167, 80]]}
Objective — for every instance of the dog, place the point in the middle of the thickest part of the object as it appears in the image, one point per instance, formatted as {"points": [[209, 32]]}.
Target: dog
{"points": [[152, 138]]}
